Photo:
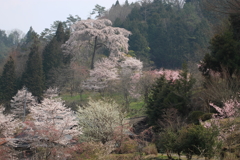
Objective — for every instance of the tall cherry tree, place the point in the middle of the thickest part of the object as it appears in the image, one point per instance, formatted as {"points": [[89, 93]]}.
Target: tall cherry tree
{"points": [[89, 36]]}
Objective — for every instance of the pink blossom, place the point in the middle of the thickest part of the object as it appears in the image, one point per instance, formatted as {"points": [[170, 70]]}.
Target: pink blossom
{"points": [[169, 74], [230, 109]]}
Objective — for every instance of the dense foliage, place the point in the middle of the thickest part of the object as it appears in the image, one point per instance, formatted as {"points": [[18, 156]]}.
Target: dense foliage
{"points": [[166, 94], [224, 51], [134, 108], [33, 77], [8, 81], [166, 33]]}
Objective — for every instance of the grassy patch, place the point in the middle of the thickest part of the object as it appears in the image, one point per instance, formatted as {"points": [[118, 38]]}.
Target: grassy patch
{"points": [[69, 98], [136, 105], [136, 109]]}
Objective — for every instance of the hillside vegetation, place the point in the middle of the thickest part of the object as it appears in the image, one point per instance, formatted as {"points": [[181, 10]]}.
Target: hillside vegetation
{"points": [[147, 80]]}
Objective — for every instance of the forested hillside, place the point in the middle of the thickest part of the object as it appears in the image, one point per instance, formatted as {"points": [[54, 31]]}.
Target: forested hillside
{"points": [[129, 82], [166, 33]]}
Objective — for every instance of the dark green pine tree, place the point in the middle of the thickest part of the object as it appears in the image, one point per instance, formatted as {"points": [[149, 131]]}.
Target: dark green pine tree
{"points": [[126, 3], [60, 34], [224, 54], [156, 102], [33, 77], [8, 81], [117, 3], [53, 56], [166, 94], [28, 39], [139, 45]]}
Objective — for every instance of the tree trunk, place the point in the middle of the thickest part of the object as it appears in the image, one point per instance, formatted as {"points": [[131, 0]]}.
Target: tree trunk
{"points": [[94, 52]]}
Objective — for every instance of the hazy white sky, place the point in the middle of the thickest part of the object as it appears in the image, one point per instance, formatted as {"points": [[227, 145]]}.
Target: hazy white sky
{"points": [[40, 14]]}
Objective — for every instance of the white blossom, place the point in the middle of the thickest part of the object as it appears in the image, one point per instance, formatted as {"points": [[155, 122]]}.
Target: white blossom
{"points": [[8, 125], [85, 32], [52, 120], [51, 92], [132, 64], [23, 97], [99, 119], [108, 70]]}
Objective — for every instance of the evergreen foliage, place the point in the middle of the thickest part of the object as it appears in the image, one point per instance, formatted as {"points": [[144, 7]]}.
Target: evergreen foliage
{"points": [[28, 39], [33, 77], [224, 51], [196, 139], [53, 56], [167, 32], [7, 42], [8, 81], [166, 94], [48, 33]]}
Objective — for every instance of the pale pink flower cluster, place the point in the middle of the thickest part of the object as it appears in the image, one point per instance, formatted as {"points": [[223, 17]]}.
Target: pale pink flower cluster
{"points": [[51, 92], [230, 109], [52, 120], [132, 64], [8, 125], [84, 33], [21, 99], [108, 70], [49, 120], [105, 70], [169, 74], [206, 124]]}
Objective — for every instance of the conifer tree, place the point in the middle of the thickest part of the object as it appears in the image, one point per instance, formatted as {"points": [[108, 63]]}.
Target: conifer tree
{"points": [[8, 80], [53, 56], [117, 3], [60, 34], [166, 94], [28, 39], [33, 77], [126, 3], [224, 54]]}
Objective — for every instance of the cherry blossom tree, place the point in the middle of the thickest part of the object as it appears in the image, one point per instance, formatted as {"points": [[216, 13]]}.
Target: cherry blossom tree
{"points": [[131, 69], [49, 124], [52, 120], [109, 70], [169, 74], [79, 73], [51, 92], [230, 109], [8, 125], [88, 36], [104, 72], [21, 99]]}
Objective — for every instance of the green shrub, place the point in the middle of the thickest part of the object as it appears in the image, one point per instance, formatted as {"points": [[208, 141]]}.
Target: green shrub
{"points": [[206, 116], [168, 142], [195, 139], [195, 116], [130, 146], [150, 149]]}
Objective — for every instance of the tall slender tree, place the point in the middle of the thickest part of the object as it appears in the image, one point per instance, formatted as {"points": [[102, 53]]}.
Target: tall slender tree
{"points": [[8, 80], [33, 77], [53, 56]]}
